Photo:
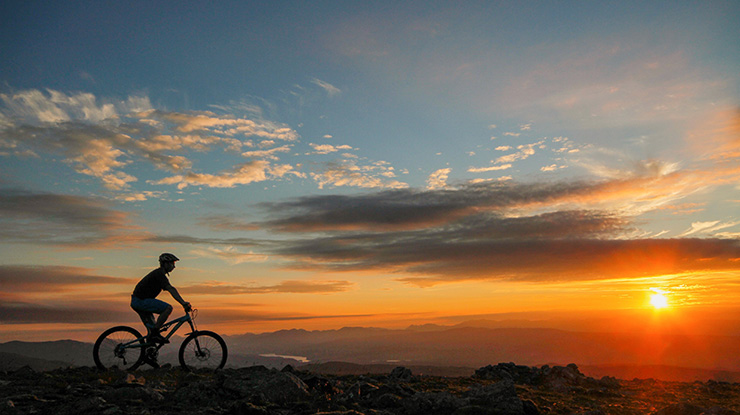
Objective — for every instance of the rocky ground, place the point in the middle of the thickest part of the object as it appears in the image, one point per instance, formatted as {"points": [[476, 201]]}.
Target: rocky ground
{"points": [[500, 389]]}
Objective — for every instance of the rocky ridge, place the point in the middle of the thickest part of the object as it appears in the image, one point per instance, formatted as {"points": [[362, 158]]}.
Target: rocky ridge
{"points": [[505, 388]]}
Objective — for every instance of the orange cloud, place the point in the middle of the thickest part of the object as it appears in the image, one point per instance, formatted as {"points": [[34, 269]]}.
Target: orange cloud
{"points": [[250, 172], [64, 220]]}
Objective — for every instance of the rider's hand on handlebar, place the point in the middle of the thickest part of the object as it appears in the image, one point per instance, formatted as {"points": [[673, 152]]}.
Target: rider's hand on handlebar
{"points": [[187, 307]]}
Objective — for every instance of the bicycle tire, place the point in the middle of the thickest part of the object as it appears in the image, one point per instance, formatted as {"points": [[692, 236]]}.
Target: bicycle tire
{"points": [[203, 350], [106, 356]]}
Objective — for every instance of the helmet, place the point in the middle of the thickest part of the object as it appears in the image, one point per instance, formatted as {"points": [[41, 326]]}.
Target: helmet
{"points": [[166, 257]]}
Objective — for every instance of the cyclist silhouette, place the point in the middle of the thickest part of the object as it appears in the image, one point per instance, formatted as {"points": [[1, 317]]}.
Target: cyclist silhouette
{"points": [[144, 298]]}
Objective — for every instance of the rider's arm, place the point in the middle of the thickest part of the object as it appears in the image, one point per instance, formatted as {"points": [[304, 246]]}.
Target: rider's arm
{"points": [[176, 295]]}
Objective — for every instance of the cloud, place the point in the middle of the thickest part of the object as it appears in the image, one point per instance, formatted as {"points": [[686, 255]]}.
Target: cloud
{"points": [[57, 107], [328, 148], [349, 173], [707, 227], [284, 287], [267, 154], [717, 137], [497, 255], [329, 88], [552, 231], [551, 167], [404, 209], [250, 172], [28, 313], [525, 151], [52, 279], [193, 240], [487, 169], [107, 141], [229, 254], [438, 179], [225, 223], [46, 218]]}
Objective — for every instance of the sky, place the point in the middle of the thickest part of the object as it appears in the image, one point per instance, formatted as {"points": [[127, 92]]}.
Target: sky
{"points": [[325, 164]]}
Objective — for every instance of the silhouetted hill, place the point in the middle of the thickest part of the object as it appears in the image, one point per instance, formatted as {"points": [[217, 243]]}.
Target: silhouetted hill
{"points": [[477, 346], [702, 357], [71, 352], [13, 361]]}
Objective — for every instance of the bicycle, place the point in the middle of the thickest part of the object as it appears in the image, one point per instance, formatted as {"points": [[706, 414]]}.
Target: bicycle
{"points": [[126, 348]]}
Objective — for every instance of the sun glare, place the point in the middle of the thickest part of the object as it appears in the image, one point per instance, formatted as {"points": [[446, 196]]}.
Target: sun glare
{"points": [[658, 300]]}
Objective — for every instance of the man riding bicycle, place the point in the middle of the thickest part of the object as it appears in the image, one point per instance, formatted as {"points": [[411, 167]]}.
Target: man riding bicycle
{"points": [[144, 298]]}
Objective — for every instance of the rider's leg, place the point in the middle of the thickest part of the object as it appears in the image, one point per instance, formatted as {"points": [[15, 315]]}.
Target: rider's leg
{"points": [[148, 320], [162, 318]]}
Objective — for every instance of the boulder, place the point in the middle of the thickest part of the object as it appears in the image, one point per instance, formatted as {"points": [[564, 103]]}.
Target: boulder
{"points": [[499, 398], [282, 388], [401, 374]]}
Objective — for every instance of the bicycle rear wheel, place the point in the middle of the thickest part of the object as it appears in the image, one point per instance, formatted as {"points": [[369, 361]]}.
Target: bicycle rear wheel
{"points": [[203, 350], [110, 349]]}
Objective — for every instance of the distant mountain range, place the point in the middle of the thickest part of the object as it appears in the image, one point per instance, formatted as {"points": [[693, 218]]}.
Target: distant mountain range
{"points": [[475, 346], [444, 350]]}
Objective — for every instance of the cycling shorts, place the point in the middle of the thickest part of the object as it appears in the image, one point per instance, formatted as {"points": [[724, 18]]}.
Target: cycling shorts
{"points": [[148, 305]]}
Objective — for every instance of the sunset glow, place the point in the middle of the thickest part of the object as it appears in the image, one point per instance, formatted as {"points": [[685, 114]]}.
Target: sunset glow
{"points": [[327, 164], [659, 300]]}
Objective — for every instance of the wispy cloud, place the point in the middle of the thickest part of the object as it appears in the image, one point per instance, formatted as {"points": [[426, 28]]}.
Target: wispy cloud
{"points": [[707, 227], [289, 287], [491, 168], [229, 254], [329, 88], [267, 154]]}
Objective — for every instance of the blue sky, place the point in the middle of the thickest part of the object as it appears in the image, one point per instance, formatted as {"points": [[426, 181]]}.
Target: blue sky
{"points": [[313, 163]]}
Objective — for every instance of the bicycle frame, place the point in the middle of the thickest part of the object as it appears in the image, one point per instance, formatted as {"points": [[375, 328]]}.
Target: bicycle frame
{"points": [[178, 322]]}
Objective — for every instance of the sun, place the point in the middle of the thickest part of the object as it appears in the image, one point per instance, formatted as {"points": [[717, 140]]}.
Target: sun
{"points": [[658, 300]]}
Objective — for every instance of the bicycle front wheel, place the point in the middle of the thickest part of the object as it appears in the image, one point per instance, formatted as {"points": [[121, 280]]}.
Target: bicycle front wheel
{"points": [[203, 350], [119, 347]]}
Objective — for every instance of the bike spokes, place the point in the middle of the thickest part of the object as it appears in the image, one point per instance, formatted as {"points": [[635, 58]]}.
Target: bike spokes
{"points": [[203, 350]]}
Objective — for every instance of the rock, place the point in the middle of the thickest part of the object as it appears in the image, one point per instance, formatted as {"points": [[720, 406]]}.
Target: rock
{"points": [[530, 408], [138, 393], [509, 371], [432, 403], [401, 374], [681, 409], [500, 397], [262, 391], [387, 400], [247, 408], [284, 387], [359, 390], [25, 372]]}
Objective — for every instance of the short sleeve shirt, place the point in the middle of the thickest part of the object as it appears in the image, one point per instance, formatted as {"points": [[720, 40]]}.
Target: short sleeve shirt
{"points": [[152, 284]]}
